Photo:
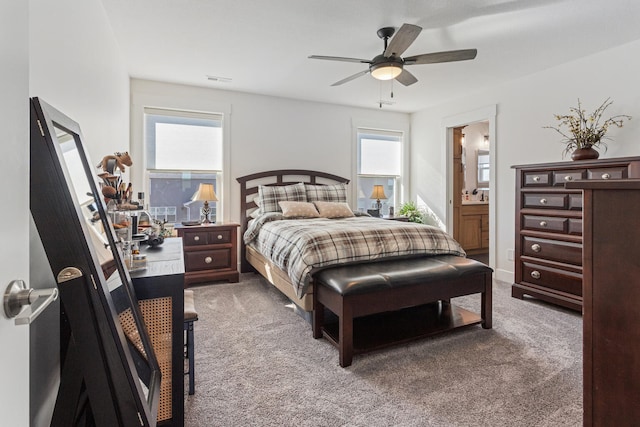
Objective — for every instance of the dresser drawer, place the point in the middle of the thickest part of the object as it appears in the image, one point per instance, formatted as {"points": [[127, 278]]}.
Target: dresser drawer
{"points": [[618, 172], [553, 250], [561, 177], [575, 226], [536, 179], [545, 223], [553, 278], [208, 259], [545, 201]]}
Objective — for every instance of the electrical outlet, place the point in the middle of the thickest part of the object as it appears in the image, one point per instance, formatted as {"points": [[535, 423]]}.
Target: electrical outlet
{"points": [[510, 254]]}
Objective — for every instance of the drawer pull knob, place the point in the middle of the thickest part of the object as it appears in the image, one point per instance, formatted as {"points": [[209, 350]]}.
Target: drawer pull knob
{"points": [[208, 260], [568, 178], [543, 223], [543, 201], [196, 238], [606, 176], [219, 236], [535, 274], [536, 178], [536, 247]]}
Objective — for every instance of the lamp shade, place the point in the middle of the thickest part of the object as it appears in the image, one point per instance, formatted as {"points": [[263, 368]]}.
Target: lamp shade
{"points": [[378, 192], [205, 193], [386, 71]]}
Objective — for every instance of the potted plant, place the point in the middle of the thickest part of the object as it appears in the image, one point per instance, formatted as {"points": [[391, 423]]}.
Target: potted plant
{"points": [[411, 211], [584, 132]]}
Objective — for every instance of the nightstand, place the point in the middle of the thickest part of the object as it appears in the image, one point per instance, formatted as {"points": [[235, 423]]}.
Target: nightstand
{"points": [[396, 218], [210, 252]]}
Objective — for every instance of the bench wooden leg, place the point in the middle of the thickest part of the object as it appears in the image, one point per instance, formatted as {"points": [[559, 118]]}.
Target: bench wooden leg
{"points": [[486, 311], [345, 341], [318, 317]]}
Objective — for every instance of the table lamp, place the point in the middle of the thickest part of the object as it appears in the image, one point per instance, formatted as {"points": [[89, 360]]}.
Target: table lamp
{"points": [[378, 193], [206, 194]]}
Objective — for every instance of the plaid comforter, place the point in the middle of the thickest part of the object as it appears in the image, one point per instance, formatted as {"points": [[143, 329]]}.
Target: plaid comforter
{"points": [[300, 247]]}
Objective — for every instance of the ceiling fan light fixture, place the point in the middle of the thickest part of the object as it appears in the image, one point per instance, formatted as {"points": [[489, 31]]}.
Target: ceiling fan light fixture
{"points": [[386, 70]]}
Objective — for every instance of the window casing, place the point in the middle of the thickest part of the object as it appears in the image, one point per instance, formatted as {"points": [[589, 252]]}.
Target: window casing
{"points": [[183, 149], [380, 162]]}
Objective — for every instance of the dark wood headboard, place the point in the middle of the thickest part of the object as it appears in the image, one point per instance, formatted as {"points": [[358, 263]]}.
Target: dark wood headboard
{"points": [[249, 191]]}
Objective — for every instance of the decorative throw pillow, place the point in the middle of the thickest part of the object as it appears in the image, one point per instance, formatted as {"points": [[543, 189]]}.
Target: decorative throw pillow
{"points": [[326, 193], [298, 210], [334, 209], [257, 212], [269, 196]]}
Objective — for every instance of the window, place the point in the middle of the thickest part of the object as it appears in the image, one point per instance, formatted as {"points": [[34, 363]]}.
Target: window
{"points": [[183, 149], [379, 163]]}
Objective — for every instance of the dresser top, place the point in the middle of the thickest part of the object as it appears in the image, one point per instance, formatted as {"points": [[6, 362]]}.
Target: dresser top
{"points": [[578, 163]]}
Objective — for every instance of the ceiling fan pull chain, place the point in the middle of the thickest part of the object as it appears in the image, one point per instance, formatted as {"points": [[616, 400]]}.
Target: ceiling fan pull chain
{"points": [[391, 88]]}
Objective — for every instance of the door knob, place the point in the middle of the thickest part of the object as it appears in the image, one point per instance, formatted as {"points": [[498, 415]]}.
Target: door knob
{"points": [[16, 296]]}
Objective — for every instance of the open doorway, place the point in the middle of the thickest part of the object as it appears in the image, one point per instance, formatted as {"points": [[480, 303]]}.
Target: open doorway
{"points": [[471, 182]]}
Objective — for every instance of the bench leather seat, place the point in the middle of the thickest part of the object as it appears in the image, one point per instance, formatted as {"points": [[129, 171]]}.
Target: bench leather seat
{"points": [[370, 277]]}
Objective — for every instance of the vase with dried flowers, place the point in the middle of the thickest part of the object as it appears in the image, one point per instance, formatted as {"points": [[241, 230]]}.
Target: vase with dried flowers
{"points": [[584, 132]]}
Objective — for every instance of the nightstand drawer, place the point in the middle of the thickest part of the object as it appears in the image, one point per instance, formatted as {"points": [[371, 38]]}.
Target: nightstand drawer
{"points": [[208, 259], [195, 238], [219, 236], [214, 237]]}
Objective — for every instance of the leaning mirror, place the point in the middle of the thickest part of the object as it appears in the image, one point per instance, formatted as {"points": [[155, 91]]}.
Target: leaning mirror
{"points": [[80, 243]]}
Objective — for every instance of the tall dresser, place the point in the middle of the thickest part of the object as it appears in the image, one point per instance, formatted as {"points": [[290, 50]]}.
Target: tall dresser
{"points": [[611, 268], [548, 235]]}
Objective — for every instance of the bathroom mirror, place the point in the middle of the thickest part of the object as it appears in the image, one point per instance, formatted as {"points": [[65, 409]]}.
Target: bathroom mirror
{"points": [[78, 236], [483, 168]]}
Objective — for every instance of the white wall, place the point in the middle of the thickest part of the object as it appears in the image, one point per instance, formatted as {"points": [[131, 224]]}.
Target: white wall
{"points": [[524, 106], [264, 132], [14, 253], [76, 66]]}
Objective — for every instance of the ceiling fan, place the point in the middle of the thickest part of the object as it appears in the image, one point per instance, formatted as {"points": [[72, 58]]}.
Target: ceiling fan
{"points": [[390, 64]]}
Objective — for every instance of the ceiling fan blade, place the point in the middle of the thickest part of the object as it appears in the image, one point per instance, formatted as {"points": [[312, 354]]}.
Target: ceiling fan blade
{"points": [[340, 58], [447, 56], [406, 78], [348, 79], [402, 40]]}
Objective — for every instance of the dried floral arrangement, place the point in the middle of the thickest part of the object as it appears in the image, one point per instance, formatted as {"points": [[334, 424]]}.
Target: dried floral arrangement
{"points": [[586, 130]]}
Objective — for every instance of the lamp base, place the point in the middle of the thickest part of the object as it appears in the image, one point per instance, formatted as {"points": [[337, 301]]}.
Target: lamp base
{"points": [[206, 211]]}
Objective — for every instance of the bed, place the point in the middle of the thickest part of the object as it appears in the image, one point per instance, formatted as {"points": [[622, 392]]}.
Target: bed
{"points": [[300, 235]]}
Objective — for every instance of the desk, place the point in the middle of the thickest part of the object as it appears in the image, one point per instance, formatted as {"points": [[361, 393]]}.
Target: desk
{"points": [[160, 292]]}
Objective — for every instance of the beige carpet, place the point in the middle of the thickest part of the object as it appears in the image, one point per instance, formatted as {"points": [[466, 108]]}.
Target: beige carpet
{"points": [[258, 365]]}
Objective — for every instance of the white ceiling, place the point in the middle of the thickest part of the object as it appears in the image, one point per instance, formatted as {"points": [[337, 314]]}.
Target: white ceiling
{"points": [[263, 45]]}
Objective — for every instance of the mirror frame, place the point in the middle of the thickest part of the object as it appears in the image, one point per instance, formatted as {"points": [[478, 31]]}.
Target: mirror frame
{"points": [[65, 235]]}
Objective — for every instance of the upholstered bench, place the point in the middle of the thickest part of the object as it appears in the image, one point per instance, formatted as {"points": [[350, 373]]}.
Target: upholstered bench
{"points": [[412, 293]]}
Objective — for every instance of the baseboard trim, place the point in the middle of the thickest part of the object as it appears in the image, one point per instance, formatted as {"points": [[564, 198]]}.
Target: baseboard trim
{"points": [[504, 275]]}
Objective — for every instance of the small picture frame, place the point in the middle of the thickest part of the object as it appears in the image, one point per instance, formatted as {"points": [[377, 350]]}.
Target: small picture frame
{"points": [[374, 212]]}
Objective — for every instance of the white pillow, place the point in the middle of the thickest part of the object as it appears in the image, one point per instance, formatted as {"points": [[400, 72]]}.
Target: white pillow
{"points": [[334, 209], [298, 210]]}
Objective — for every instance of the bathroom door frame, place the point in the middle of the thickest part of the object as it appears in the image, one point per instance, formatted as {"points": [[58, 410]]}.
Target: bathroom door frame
{"points": [[484, 114]]}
